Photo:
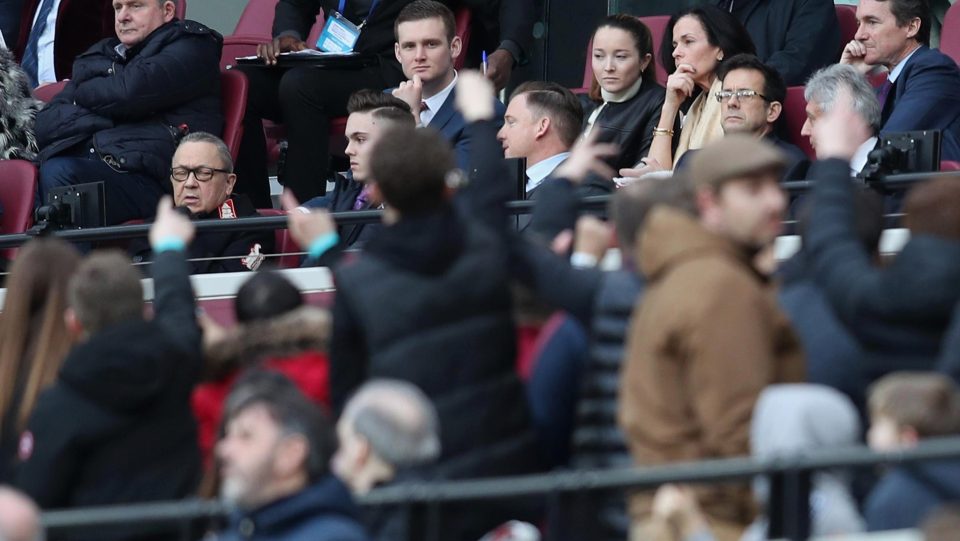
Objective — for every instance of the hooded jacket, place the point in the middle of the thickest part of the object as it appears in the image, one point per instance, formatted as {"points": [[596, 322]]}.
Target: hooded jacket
{"points": [[704, 342], [116, 427], [293, 344], [324, 511], [134, 107]]}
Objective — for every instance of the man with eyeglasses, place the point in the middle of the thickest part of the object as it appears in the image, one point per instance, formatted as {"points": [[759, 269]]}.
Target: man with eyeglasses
{"points": [[202, 181], [751, 102]]}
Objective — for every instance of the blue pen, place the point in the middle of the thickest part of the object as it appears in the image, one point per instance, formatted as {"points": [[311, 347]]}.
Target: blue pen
{"points": [[484, 63]]}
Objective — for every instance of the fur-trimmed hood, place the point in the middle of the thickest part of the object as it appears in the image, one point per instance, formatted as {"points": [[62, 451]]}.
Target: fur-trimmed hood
{"points": [[307, 328], [18, 108]]}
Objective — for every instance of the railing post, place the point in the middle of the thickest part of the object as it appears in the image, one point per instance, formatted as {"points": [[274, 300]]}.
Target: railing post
{"points": [[789, 505]]}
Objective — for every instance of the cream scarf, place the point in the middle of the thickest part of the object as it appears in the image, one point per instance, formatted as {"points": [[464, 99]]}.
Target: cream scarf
{"points": [[701, 126]]}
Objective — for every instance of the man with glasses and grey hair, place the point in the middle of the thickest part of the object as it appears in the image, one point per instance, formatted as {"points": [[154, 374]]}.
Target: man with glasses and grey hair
{"points": [[387, 429], [822, 92], [202, 181]]}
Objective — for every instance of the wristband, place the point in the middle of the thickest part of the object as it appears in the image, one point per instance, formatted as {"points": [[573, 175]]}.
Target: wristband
{"points": [[167, 244], [583, 260], [321, 244]]}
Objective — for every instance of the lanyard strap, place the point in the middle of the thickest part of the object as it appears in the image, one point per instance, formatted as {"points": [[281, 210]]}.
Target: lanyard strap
{"points": [[373, 6]]}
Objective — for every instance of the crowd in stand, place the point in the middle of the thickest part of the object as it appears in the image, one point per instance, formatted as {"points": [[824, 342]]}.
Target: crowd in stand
{"points": [[698, 346]]}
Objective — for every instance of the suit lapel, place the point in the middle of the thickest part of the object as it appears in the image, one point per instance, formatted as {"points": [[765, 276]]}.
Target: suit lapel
{"points": [[445, 114]]}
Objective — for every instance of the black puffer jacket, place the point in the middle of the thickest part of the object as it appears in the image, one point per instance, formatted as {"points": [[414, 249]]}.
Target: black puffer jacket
{"points": [[134, 108]]}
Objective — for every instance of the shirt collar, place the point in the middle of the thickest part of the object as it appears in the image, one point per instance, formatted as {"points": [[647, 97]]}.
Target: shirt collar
{"points": [[436, 101], [539, 171], [121, 50], [895, 72], [859, 160]]}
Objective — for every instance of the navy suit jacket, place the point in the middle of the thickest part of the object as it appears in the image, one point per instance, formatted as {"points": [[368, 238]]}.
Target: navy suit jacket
{"points": [[927, 97], [452, 126]]}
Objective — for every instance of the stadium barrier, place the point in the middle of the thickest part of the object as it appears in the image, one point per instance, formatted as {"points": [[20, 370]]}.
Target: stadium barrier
{"points": [[789, 507]]}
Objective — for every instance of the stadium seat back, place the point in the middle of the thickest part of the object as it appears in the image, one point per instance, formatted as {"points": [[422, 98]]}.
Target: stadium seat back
{"points": [[47, 92], [234, 89], [847, 16], [181, 11], [950, 35], [19, 179], [255, 27]]}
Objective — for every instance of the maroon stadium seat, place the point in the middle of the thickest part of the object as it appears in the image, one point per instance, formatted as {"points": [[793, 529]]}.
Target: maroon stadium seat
{"points": [[950, 35], [847, 15], [48, 92], [284, 243], [181, 11], [17, 196], [233, 91]]}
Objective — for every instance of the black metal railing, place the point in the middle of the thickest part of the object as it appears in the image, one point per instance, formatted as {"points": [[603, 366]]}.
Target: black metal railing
{"points": [[789, 506]]}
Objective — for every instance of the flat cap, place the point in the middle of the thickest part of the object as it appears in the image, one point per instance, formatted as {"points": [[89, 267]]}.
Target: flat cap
{"points": [[731, 157]]}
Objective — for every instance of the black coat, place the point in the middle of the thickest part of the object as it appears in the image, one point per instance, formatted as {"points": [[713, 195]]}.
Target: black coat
{"points": [[117, 427], [207, 245], [900, 311], [797, 37], [134, 109], [629, 124]]}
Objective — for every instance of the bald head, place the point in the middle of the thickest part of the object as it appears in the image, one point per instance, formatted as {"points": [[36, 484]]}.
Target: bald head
{"points": [[397, 419], [19, 517]]}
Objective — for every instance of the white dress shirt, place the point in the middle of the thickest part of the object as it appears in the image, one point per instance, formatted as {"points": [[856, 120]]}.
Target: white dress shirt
{"points": [[539, 171], [435, 102], [45, 68], [859, 160], [895, 72]]}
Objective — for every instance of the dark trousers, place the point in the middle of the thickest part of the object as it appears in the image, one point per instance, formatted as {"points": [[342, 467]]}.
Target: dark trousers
{"points": [[303, 99], [127, 196]]}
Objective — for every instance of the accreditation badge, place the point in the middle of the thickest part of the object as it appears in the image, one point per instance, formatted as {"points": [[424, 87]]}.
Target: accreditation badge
{"points": [[339, 35]]}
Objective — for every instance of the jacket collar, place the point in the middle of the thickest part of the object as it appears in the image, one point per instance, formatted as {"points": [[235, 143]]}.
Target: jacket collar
{"points": [[446, 112], [328, 496], [671, 237]]}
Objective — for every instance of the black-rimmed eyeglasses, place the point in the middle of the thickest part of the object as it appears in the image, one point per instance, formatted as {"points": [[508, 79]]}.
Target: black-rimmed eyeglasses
{"points": [[202, 174]]}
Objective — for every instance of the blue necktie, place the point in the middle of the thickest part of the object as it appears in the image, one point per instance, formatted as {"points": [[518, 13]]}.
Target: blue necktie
{"points": [[29, 63]]}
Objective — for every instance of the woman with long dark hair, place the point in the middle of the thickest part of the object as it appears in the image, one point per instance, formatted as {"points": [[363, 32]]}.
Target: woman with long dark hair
{"points": [[33, 335], [701, 38]]}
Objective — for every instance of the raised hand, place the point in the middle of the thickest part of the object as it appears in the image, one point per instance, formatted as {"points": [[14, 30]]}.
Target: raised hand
{"points": [[855, 54], [170, 224], [411, 92], [681, 84], [587, 157], [475, 96], [306, 227]]}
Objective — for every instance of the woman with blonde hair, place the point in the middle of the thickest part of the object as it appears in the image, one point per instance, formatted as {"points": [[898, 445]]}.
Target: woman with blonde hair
{"points": [[33, 335]]}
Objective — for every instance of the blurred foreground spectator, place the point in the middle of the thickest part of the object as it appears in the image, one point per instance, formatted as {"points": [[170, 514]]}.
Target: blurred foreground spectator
{"points": [[906, 408], [275, 331], [387, 431], [33, 336], [834, 356], [708, 313], [116, 426], [899, 311], [275, 454]]}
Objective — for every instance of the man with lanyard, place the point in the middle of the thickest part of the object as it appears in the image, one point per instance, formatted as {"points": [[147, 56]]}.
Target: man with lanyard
{"points": [[304, 98]]}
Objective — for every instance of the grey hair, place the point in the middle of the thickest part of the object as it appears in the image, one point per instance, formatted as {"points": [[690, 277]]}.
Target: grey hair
{"points": [[825, 85], [398, 420], [223, 152]]}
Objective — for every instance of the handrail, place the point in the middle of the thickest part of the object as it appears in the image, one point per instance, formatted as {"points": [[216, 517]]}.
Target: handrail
{"points": [[261, 223], [436, 493]]}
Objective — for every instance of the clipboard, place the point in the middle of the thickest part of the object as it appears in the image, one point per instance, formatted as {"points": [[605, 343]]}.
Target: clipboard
{"points": [[313, 57]]}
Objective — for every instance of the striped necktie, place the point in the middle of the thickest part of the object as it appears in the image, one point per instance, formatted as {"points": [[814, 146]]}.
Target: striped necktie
{"points": [[30, 62]]}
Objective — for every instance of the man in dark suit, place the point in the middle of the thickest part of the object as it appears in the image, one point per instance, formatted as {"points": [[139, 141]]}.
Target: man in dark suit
{"points": [[920, 92], [371, 114], [427, 46], [796, 37], [751, 102], [304, 98], [76, 25]]}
